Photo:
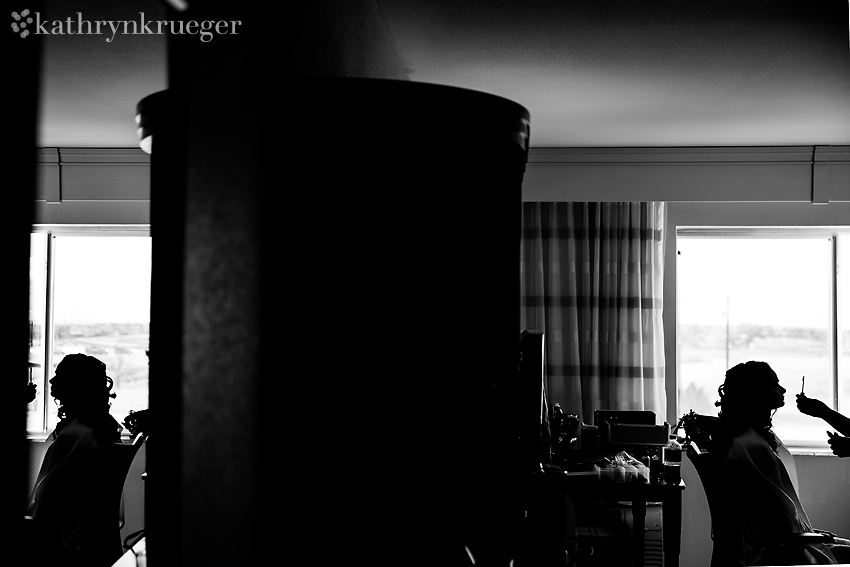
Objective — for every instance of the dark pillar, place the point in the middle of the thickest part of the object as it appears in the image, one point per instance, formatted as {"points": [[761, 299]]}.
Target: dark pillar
{"points": [[392, 263], [346, 303]]}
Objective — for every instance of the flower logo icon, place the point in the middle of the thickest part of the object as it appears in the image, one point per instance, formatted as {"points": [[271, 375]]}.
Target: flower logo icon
{"points": [[20, 23]]}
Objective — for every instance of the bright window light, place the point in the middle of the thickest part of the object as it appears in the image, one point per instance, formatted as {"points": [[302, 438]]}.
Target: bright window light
{"points": [[90, 294], [764, 295]]}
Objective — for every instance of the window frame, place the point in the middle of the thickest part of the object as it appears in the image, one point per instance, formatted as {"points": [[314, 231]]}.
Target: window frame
{"points": [[839, 237], [52, 231]]}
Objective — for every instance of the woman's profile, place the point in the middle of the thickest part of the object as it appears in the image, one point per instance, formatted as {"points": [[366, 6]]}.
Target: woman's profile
{"points": [[758, 467], [70, 505]]}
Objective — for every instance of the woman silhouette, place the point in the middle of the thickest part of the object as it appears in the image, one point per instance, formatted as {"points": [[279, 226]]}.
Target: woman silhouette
{"points": [[759, 468], [75, 518]]}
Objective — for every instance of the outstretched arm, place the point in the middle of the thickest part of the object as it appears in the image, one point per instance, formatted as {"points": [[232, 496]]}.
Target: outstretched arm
{"points": [[816, 408]]}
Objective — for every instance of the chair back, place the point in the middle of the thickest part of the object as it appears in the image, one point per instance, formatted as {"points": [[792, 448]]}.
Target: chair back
{"points": [[726, 531], [119, 459]]}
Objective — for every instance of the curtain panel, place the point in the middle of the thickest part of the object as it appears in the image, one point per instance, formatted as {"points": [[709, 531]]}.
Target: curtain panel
{"points": [[592, 276]]}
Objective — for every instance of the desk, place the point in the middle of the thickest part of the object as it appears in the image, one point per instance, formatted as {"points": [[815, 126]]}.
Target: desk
{"points": [[558, 485], [584, 489]]}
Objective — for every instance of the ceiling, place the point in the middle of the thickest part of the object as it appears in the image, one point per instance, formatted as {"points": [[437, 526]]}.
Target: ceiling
{"points": [[89, 86], [592, 73]]}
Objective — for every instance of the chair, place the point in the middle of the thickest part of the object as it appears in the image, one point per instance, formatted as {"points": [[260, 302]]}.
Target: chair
{"points": [[726, 530], [119, 465], [40, 542]]}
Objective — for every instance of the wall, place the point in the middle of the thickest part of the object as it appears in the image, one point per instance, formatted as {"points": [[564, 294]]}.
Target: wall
{"points": [[93, 186], [112, 185], [825, 491], [811, 174]]}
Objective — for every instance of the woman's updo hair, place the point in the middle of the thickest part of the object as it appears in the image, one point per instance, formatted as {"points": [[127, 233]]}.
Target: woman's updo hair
{"points": [[83, 390], [744, 400], [745, 386]]}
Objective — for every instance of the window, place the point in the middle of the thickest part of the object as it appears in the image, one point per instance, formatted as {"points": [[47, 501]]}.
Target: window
{"points": [[90, 294], [777, 295]]}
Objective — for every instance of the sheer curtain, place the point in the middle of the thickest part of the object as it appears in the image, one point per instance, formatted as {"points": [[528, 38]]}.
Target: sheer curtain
{"points": [[592, 276]]}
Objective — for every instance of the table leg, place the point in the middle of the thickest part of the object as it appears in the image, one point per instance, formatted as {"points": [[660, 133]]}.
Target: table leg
{"points": [[672, 527], [639, 530]]}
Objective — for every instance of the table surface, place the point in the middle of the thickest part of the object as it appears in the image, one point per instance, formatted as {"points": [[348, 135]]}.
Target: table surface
{"points": [[614, 489]]}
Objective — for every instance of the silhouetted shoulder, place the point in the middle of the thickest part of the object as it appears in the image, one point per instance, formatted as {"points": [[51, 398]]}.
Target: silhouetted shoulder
{"points": [[749, 447], [76, 437]]}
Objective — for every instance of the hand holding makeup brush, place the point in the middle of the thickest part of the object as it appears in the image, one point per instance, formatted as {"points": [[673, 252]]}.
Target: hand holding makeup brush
{"points": [[816, 408], [812, 406]]}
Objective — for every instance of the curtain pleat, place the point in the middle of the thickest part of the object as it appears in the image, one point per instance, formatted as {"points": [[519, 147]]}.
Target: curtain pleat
{"points": [[591, 280]]}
